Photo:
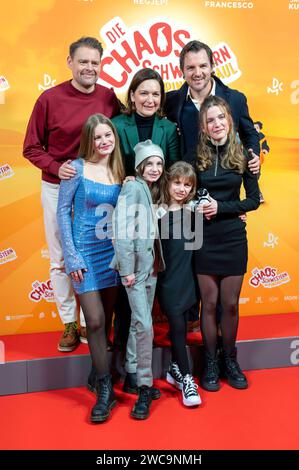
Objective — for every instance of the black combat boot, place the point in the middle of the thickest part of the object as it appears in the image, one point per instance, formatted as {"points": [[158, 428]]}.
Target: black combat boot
{"points": [[210, 377], [232, 370], [130, 386], [105, 399], [142, 405]]}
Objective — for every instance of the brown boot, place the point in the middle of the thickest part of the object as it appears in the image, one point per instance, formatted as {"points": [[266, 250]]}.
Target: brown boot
{"points": [[70, 338]]}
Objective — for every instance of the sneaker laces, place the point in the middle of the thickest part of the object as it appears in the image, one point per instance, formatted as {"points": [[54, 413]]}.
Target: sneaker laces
{"points": [[175, 372], [104, 389], [189, 386], [70, 328]]}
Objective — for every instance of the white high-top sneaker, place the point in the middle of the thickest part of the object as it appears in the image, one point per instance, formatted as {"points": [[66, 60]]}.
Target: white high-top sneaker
{"points": [[190, 394]]}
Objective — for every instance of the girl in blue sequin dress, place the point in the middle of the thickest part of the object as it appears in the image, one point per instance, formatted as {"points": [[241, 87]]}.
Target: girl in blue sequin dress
{"points": [[85, 207]]}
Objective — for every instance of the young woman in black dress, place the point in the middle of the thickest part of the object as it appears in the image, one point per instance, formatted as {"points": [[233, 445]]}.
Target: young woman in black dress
{"points": [[222, 260], [176, 286]]}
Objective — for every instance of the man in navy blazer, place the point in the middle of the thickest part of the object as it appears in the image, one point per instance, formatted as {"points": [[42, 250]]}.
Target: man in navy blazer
{"points": [[182, 106]]}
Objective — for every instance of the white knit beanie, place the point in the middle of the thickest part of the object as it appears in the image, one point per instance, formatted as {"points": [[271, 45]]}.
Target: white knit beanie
{"points": [[145, 150]]}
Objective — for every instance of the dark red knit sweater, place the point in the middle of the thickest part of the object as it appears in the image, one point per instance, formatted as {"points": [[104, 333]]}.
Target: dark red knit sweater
{"points": [[54, 129]]}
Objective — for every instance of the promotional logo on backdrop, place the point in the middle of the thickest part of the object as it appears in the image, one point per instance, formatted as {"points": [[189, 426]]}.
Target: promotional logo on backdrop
{"points": [[268, 277], [276, 86], [147, 3], [272, 241], [294, 357], [157, 45], [18, 317], [47, 83], [291, 298], [4, 86], [295, 94], [243, 300], [294, 5], [6, 171], [42, 315], [226, 64], [42, 290], [234, 5], [7, 255]]}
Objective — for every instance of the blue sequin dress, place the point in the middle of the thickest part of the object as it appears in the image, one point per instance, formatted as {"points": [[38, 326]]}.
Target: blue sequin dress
{"points": [[86, 237]]}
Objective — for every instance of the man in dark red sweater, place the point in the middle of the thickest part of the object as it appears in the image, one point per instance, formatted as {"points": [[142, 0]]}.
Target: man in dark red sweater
{"points": [[51, 143]]}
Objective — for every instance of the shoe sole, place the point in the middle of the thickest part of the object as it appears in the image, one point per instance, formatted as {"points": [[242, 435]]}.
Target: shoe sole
{"points": [[83, 340], [236, 385], [67, 348], [210, 388], [186, 403], [137, 416], [101, 419], [173, 382]]}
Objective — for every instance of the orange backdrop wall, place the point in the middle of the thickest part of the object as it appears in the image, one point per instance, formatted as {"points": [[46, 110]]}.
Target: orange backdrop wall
{"points": [[256, 51]]}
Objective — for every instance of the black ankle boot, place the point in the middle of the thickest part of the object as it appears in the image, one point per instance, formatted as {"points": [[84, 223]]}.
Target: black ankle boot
{"points": [[210, 377], [142, 405], [91, 381], [130, 386], [105, 399], [232, 370]]}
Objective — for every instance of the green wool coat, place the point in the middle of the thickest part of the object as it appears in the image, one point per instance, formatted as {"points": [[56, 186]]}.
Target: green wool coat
{"points": [[164, 134]]}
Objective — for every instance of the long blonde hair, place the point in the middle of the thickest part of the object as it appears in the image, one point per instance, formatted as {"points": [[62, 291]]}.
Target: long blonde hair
{"points": [[233, 158], [86, 150]]}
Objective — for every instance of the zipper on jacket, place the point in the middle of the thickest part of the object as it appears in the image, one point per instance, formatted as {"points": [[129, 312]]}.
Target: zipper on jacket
{"points": [[216, 164]]}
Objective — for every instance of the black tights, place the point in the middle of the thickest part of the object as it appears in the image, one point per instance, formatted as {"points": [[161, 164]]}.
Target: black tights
{"points": [[178, 334], [228, 288], [98, 308]]}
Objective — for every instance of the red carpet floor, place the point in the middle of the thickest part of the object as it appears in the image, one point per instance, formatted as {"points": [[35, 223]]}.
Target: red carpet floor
{"points": [[265, 416]]}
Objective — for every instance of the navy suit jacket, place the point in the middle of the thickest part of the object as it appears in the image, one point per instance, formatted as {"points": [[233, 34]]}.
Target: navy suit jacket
{"points": [[238, 105]]}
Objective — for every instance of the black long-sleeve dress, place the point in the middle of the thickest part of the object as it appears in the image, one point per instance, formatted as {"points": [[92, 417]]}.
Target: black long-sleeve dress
{"points": [[224, 251], [176, 287]]}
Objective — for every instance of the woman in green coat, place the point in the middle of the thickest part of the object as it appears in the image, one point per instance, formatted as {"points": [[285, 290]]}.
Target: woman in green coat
{"points": [[143, 119]]}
